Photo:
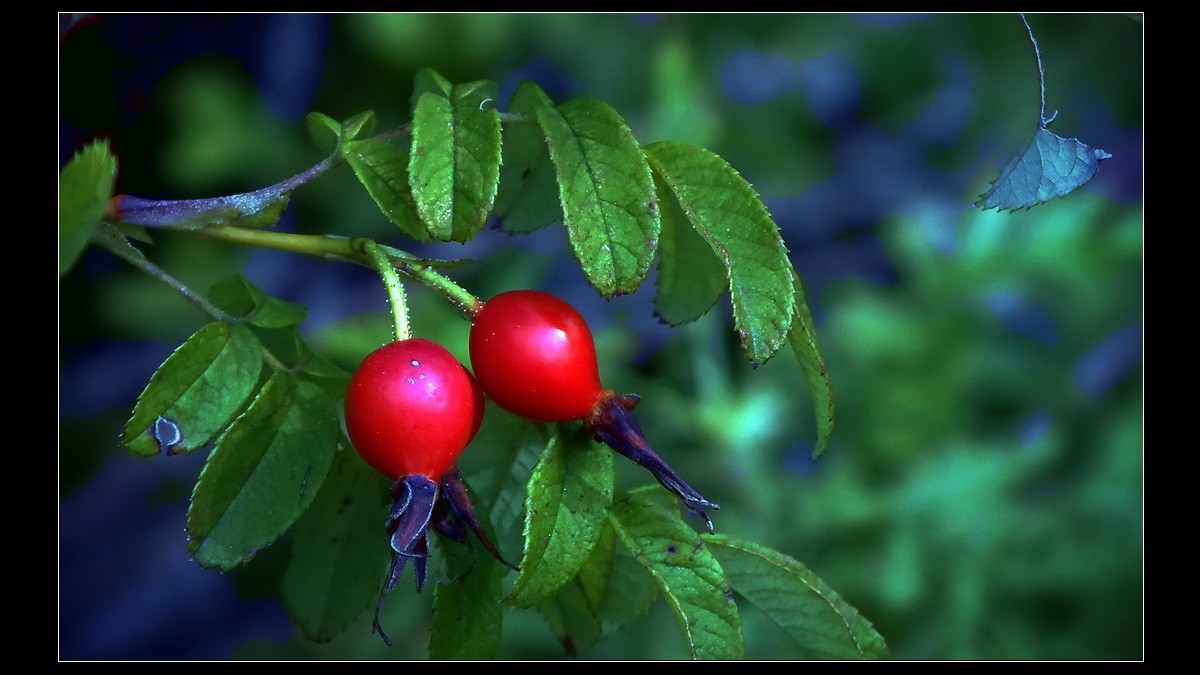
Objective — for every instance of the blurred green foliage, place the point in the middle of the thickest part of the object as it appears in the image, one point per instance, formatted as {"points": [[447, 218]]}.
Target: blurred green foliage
{"points": [[982, 497]]}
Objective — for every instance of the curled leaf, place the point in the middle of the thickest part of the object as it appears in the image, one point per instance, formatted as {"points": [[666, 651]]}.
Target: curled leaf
{"points": [[1050, 166]]}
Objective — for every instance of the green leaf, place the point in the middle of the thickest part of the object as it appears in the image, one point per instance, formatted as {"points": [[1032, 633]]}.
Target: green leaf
{"points": [[264, 472], [567, 501], [429, 81], [339, 550], [244, 301], [528, 196], [593, 576], [195, 392], [627, 589], [607, 193], [615, 583], [573, 612], [286, 345], [572, 618], [611, 590], [325, 131], [729, 215], [85, 186], [362, 123], [803, 337], [330, 134], [498, 467], [691, 277], [454, 167], [467, 613], [329, 377], [382, 168], [690, 577], [797, 600]]}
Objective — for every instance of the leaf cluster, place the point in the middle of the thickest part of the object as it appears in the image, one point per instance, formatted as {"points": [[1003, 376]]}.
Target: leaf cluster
{"points": [[592, 558]]}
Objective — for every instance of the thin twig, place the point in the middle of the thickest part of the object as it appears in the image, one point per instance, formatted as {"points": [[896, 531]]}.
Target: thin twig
{"points": [[115, 244], [1037, 57]]}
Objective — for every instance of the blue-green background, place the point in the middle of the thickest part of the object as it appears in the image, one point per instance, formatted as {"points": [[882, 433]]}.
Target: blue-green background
{"points": [[982, 497]]}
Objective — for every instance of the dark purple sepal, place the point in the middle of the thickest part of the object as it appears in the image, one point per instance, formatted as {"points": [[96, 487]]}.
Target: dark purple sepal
{"points": [[612, 422], [408, 524]]}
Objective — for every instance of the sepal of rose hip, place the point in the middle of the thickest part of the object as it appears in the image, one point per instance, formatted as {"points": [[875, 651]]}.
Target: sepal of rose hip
{"points": [[407, 524], [611, 421], [457, 499]]}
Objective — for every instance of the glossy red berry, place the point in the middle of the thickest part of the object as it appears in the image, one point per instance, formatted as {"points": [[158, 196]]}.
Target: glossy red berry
{"points": [[534, 356], [411, 408]]}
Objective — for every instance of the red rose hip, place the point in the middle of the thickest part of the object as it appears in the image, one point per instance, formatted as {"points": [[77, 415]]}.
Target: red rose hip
{"points": [[534, 355], [411, 408]]}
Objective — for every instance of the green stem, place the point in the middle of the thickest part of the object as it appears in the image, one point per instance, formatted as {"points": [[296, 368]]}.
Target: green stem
{"points": [[120, 248], [349, 250], [395, 289], [108, 239]]}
